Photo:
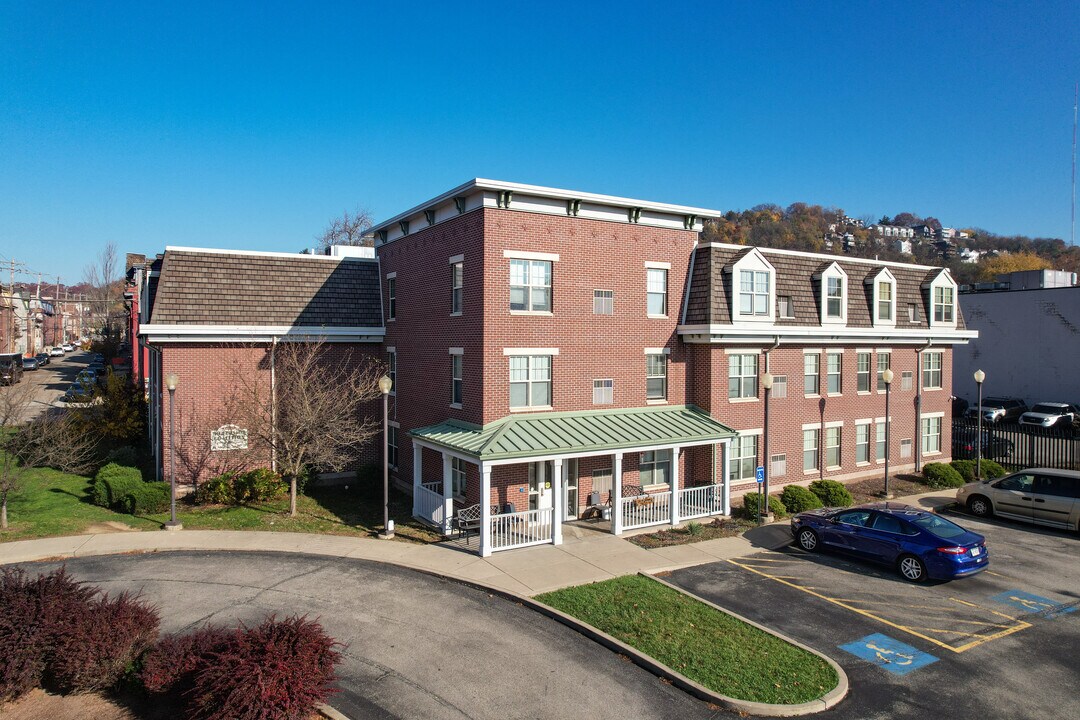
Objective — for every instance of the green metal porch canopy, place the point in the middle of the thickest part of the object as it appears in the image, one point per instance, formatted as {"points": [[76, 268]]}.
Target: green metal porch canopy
{"points": [[540, 434]]}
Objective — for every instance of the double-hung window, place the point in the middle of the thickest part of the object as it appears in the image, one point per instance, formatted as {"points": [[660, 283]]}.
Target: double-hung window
{"points": [[943, 305], [810, 449], [862, 373], [457, 477], [931, 371], [753, 292], [834, 297], [812, 373], [530, 381], [862, 443], [391, 369], [931, 434], [391, 446], [530, 285], [603, 391], [391, 297], [603, 302], [879, 452], [885, 301], [655, 467], [742, 376], [743, 457], [456, 390], [656, 376], [884, 361], [832, 447], [656, 283], [833, 367], [457, 283]]}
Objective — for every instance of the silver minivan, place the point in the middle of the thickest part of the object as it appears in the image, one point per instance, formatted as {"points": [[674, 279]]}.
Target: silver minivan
{"points": [[1044, 496]]}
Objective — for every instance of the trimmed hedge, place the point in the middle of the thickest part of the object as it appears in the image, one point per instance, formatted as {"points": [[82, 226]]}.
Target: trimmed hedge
{"points": [[991, 470], [796, 499], [112, 483], [966, 468], [939, 476], [832, 493], [149, 498], [750, 505], [217, 490], [237, 488]]}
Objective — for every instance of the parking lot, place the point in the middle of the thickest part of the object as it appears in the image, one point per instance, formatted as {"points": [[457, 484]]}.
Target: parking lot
{"points": [[998, 644]]}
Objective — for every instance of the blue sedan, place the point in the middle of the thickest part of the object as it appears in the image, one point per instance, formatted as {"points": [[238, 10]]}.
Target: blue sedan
{"points": [[919, 544]]}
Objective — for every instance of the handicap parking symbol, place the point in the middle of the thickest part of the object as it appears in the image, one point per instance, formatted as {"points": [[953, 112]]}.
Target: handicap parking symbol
{"points": [[1034, 604], [896, 657]]}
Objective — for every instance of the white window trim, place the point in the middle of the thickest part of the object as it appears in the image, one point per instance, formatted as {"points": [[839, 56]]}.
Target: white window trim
{"points": [[658, 265], [818, 393], [944, 279], [834, 423], [530, 351], [833, 271], [391, 275], [870, 371], [885, 276], [529, 255], [454, 259], [542, 313], [457, 351], [869, 441], [658, 351], [941, 372], [754, 260], [754, 431], [825, 446], [941, 430], [840, 354]]}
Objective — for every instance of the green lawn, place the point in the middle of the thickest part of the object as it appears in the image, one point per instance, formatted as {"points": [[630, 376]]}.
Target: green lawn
{"points": [[716, 650], [54, 503]]}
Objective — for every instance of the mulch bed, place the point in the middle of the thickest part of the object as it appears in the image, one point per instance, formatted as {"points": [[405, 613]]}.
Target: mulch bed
{"points": [[871, 489], [693, 532]]}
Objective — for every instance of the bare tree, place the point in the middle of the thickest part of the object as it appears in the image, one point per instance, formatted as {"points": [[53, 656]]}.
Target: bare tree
{"points": [[314, 416], [52, 439], [347, 230], [104, 275]]}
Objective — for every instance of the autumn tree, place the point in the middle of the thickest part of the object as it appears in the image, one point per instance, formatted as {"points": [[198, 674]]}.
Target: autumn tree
{"points": [[314, 417], [349, 229], [990, 268]]}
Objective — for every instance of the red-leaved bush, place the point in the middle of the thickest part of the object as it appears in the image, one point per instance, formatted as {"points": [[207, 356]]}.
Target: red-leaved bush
{"points": [[99, 640], [33, 612], [279, 670], [170, 666]]}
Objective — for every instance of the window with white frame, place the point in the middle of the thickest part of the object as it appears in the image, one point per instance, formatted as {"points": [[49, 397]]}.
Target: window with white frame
{"points": [[779, 387], [912, 312], [884, 362], [457, 477], [931, 371], [862, 372], [391, 369], [812, 374], [742, 376], [832, 447], [655, 467], [754, 292], [779, 465], [785, 306], [905, 448], [603, 391], [530, 285], [457, 284], [862, 443], [657, 291], [391, 297], [810, 439], [656, 376], [885, 301], [834, 298], [943, 305], [456, 390], [391, 446], [931, 434], [530, 381], [834, 363], [603, 302], [879, 451], [883, 307], [743, 458], [601, 481]]}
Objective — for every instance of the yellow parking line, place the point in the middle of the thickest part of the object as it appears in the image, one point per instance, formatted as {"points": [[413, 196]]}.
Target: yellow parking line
{"points": [[903, 628]]}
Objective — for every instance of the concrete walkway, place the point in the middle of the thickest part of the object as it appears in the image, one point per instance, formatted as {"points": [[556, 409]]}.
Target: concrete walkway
{"points": [[586, 555]]}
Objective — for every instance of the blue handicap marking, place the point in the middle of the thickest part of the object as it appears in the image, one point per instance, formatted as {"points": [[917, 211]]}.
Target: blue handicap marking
{"points": [[896, 657], [759, 473], [1033, 603]]}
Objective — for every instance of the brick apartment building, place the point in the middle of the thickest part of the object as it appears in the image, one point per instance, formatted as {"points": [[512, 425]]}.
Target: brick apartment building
{"points": [[559, 353]]}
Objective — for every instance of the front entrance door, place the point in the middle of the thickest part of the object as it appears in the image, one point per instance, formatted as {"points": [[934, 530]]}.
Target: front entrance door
{"points": [[570, 494], [540, 477]]}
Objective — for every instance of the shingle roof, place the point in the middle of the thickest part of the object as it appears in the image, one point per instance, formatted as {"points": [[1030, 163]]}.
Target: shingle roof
{"points": [[216, 288], [795, 273]]}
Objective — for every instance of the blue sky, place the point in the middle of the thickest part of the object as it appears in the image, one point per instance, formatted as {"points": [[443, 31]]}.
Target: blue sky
{"points": [[249, 125]]}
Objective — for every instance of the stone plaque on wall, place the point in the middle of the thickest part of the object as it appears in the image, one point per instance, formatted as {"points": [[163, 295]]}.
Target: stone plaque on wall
{"points": [[229, 437]]}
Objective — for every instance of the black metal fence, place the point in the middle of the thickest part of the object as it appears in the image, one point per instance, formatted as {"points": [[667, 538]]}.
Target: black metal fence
{"points": [[1019, 446]]}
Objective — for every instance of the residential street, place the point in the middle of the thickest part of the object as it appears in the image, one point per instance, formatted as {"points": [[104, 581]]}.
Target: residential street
{"points": [[51, 381]]}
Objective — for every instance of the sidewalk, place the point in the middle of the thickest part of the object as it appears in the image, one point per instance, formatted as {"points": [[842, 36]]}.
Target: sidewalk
{"points": [[585, 556]]}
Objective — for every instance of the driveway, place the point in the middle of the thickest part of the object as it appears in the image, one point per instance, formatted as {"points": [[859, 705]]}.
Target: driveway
{"points": [[418, 646], [1001, 644]]}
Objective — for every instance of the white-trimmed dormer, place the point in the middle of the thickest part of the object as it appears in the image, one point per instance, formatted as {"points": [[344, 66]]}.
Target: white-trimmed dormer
{"points": [[942, 296], [753, 288], [882, 285], [833, 291]]}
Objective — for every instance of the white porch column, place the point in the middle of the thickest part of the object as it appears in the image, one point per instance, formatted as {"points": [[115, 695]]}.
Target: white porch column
{"points": [[417, 474], [616, 495], [557, 511], [447, 493], [485, 510], [674, 486], [725, 468]]}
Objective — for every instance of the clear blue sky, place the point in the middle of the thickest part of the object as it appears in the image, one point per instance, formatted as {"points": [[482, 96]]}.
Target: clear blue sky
{"points": [[249, 125]]}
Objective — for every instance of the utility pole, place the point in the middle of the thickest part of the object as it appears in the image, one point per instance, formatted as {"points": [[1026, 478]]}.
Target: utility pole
{"points": [[11, 337], [57, 316]]}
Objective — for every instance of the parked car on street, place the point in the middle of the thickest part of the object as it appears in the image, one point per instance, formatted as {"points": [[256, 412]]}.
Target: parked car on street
{"points": [[97, 358], [1050, 414], [11, 368], [993, 446], [917, 543], [998, 409], [1043, 496], [79, 392], [57, 352], [68, 347], [30, 363], [42, 358]]}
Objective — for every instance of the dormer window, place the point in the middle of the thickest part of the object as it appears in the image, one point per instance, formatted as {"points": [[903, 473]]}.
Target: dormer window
{"points": [[833, 283], [754, 292], [884, 301], [943, 305], [882, 297], [942, 300], [834, 297], [753, 288]]}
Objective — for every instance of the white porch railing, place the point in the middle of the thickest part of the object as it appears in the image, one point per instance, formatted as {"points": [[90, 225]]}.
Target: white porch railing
{"points": [[695, 502], [644, 510], [521, 529], [429, 504]]}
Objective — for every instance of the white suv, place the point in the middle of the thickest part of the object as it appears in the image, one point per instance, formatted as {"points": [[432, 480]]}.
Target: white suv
{"points": [[1049, 414], [57, 351]]}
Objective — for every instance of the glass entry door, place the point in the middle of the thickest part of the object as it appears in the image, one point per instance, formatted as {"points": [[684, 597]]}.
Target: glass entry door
{"points": [[570, 489]]}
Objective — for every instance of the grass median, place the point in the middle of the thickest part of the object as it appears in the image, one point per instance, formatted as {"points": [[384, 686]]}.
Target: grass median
{"points": [[710, 647]]}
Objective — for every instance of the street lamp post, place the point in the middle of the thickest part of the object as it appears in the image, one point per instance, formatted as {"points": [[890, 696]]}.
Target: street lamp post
{"points": [[887, 377], [171, 381], [766, 384], [385, 385], [979, 377]]}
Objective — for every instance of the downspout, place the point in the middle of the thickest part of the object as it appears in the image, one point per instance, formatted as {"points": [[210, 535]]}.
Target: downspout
{"points": [[918, 403], [776, 344], [273, 405]]}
